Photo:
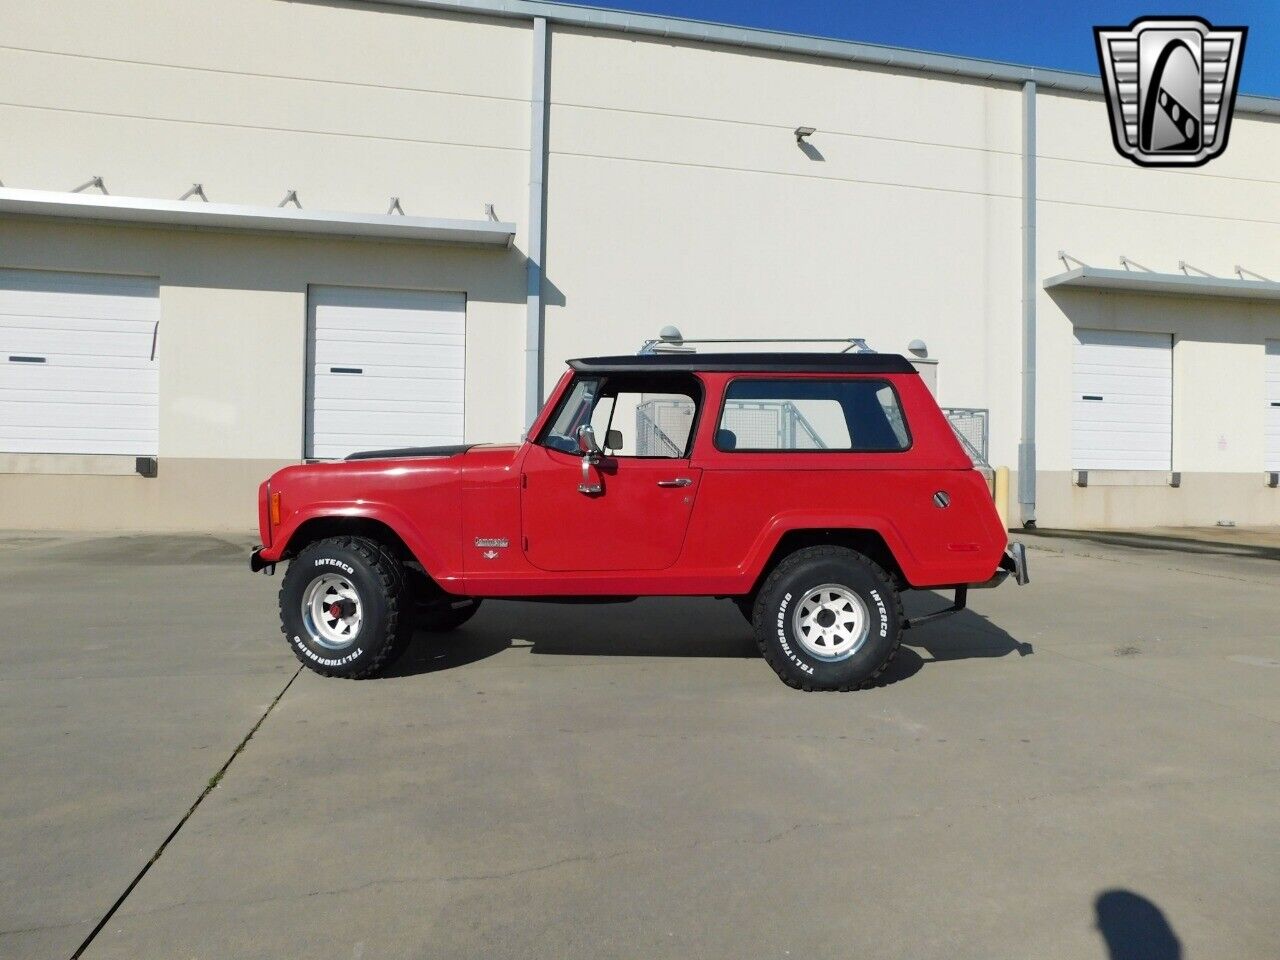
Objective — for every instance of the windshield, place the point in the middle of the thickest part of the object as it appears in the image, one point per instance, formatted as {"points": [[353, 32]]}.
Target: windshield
{"points": [[575, 410]]}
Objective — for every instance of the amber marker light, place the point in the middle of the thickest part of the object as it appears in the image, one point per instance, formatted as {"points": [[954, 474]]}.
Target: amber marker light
{"points": [[275, 509]]}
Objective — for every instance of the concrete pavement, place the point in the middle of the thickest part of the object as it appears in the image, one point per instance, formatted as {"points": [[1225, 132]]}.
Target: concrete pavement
{"points": [[132, 667], [1100, 747]]}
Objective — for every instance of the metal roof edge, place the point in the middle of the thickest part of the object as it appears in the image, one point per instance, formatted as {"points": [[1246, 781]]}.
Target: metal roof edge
{"points": [[872, 54], [1099, 278], [239, 217]]}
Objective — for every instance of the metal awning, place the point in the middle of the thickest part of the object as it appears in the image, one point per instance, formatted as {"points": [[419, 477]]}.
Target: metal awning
{"points": [[1141, 281], [194, 214]]}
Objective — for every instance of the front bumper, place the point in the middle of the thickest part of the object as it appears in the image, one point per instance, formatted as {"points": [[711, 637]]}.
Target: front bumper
{"points": [[258, 562]]}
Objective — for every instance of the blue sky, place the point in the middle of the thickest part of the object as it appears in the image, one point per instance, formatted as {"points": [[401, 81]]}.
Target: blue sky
{"points": [[1042, 33]]}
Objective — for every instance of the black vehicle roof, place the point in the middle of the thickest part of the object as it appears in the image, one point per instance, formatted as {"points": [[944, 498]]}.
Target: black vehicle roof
{"points": [[748, 363]]}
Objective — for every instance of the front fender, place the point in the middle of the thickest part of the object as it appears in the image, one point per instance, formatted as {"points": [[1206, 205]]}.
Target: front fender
{"points": [[433, 559]]}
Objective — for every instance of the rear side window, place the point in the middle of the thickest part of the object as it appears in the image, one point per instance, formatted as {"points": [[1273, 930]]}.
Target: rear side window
{"points": [[840, 415]]}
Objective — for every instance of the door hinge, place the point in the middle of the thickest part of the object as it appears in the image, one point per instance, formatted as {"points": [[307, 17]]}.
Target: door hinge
{"points": [[524, 544], [524, 481]]}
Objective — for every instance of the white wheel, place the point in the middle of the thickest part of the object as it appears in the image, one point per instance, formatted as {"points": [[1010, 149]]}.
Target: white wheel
{"points": [[830, 622], [331, 611]]}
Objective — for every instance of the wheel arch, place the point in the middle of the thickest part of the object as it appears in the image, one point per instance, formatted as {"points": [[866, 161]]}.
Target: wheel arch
{"points": [[329, 525], [867, 541]]}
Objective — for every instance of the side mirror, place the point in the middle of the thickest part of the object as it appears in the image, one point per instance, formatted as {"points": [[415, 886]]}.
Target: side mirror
{"points": [[591, 454], [587, 441], [613, 440]]}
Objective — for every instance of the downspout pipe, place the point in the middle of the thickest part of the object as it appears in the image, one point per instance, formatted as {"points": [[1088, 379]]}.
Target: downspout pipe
{"points": [[1027, 443], [535, 312]]}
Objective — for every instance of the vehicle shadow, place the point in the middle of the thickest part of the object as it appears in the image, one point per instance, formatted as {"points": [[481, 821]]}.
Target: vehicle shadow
{"points": [[964, 636], [673, 627], [1134, 928]]}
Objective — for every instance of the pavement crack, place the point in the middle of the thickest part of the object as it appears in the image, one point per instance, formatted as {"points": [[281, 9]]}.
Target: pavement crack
{"points": [[213, 782]]}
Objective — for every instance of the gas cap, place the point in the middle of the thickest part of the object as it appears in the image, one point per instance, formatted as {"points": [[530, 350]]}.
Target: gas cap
{"points": [[942, 499]]}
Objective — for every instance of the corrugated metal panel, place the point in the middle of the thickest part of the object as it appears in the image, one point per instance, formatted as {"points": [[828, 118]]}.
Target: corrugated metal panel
{"points": [[386, 369], [1122, 401], [701, 31], [78, 371], [1273, 405]]}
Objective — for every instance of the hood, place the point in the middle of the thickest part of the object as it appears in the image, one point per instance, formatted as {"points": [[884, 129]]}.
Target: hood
{"points": [[368, 473], [400, 452]]}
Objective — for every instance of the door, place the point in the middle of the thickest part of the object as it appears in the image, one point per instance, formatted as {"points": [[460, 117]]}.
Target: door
{"points": [[386, 369], [78, 369], [638, 517], [1122, 401], [1273, 405]]}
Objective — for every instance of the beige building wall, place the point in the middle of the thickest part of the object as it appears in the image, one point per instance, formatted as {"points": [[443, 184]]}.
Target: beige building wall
{"points": [[232, 360], [1096, 207], [348, 105], [677, 195]]}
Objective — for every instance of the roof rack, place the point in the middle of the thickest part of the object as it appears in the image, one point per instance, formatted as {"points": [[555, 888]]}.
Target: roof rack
{"points": [[842, 362], [670, 340]]}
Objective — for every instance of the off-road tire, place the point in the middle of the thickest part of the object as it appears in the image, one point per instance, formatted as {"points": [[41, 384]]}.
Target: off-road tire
{"points": [[441, 618], [808, 569], [379, 583]]}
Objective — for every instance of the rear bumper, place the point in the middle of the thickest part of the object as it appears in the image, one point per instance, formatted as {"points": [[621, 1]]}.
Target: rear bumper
{"points": [[1012, 561], [1015, 561]]}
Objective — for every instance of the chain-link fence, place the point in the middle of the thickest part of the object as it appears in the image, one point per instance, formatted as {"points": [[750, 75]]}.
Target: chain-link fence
{"points": [[662, 427], [971, 427]]}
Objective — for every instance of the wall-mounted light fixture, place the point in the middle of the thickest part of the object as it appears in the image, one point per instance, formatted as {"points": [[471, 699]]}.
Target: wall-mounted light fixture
{"points": [[918, 347], [803, 132]]}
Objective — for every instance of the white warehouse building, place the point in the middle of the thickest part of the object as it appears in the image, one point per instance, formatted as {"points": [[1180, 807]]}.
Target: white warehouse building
{"points": [[235, 236]]}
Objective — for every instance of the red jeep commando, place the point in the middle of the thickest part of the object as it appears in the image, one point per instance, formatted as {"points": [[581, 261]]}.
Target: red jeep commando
{"points": [[809, 489]]}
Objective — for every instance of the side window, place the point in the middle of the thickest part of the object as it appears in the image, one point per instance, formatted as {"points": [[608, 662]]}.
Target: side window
{"points": [[632, 416], [810, 414], [651, 424]]}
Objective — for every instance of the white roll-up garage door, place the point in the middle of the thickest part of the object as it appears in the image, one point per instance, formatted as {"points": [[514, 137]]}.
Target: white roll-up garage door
{"points": [[1273, 405], [78, 369], [386, 369], [1122, 401]]}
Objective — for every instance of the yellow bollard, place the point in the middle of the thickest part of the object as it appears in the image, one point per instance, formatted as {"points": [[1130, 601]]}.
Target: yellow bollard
{"points": [[1001, 495]]}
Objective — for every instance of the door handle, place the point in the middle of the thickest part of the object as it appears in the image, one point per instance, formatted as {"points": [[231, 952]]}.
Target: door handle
{"points": [[677, 482]]}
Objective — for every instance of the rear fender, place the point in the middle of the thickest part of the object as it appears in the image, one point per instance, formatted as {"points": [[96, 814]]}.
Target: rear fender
{"points": [[765, 545]]}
